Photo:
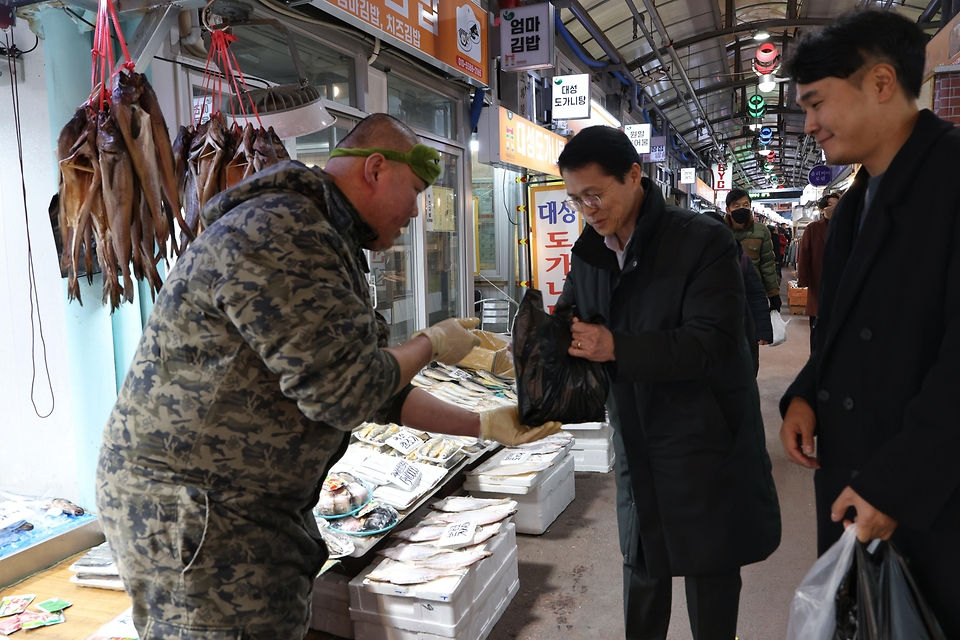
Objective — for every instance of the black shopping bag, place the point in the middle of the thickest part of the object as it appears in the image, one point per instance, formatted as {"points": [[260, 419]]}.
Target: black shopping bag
{"points": [[551, 384], [879, 599]]}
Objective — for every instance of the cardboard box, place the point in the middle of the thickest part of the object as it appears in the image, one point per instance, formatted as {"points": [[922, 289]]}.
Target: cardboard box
{"points": [[796, 296]]}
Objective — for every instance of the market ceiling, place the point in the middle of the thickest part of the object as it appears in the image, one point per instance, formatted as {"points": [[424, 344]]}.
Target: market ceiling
{"points": [[695, 60]]}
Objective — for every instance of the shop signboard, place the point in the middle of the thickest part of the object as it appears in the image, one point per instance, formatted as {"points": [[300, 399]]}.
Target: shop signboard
{"points": [[688, 175], [527, 37], [658, 150], [571, 97], [554, 227], [508, 140], [451, 34], [721, 177], [943, 48], [820, 175], [705, 191], [639, 135]]}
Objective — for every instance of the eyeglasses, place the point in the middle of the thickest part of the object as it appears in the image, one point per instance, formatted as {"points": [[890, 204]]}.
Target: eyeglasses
{"points": [[577, 204]]}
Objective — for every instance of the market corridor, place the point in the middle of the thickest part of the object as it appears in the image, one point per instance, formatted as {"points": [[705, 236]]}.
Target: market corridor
{"points": [[570, 577]]}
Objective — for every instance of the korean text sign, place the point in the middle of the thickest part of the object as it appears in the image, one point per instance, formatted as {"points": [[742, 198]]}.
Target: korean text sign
{"points": [[453, 32], [554, 227], [525, 144], [639, 135], [571, 97], [527, 37]]}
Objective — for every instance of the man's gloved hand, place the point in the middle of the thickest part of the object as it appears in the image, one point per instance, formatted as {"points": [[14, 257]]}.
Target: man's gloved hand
{"points": [[503, 425], [775, 303], [450, 339]]}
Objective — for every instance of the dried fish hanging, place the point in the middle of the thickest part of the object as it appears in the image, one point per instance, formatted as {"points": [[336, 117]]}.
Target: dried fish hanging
{"points": [[213, 155], [118, 195]]}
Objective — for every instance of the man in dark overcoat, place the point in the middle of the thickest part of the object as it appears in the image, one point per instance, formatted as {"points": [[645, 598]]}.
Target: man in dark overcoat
{"points": [[879, 390], [695, 494]]}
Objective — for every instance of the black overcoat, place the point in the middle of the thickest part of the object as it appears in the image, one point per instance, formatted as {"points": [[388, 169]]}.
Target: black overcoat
{"points": [[884, 375], [685, 395]]}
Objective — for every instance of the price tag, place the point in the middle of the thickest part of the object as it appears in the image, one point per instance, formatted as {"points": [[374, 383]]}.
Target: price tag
{"points": [[458, 534], [458, 373], [404, 441], [516, 457], [405, 475]]}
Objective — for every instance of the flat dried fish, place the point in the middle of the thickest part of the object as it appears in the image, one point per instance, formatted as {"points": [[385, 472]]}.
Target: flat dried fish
{"points": [[480, 516], [412, 552], [116, 169], [401, 573], [421, 533], [454, 504], [520, 469], [454, 560]]}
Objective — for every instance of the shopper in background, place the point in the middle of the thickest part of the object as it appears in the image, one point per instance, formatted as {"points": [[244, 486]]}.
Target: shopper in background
{"points": [[810, 259], [756, 320], [754, 237], [262, 352], [695, 494], [879, 390], [777, 241]]}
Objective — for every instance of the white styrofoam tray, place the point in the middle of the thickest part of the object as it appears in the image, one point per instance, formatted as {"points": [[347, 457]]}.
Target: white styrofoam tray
{"points": [[544, 482], [537, 511], [443, 601], [476, 622], [514, 484], [584, 426]]}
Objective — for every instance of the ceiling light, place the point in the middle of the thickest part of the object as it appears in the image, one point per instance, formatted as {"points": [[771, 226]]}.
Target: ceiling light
{"points": [[767, 83], [474, 145], [761, 34]]}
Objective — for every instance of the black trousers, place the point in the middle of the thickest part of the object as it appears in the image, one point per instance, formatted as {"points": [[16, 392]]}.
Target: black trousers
{"points": [[813, 331], [713, 600]]}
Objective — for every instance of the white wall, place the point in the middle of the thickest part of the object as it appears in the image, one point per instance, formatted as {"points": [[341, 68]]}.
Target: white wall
{"points": [[37, 455]]}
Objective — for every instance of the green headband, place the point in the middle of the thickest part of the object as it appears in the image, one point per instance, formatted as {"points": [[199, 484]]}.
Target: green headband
{"points": [[424, 160]]}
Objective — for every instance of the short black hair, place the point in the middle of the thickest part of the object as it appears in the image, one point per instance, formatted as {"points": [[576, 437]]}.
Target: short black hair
{"points": [[857, 38], [823, 204], [736, 194], [609, 148]]}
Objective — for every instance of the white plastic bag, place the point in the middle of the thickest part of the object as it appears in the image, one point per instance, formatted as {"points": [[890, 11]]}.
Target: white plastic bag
{"points": [[779, 328], [813, 610]]}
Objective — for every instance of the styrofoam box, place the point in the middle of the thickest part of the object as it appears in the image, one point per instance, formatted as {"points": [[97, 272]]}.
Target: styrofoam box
{"points": [[331, 605], [439, 604], [537, 509], [602, 432], [515, 484], [584, 426], [476, 623], [596, 460], [336, 623]]}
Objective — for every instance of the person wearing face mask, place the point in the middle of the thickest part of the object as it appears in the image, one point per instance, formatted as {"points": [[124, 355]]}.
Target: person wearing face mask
{"points": [[755, 239], [810, 258]]}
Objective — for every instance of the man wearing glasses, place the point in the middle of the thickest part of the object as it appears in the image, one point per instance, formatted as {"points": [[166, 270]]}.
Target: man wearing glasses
{"points": [[695, 494]]}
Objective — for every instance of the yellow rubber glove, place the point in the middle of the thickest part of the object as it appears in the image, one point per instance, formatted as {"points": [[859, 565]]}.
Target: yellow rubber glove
{"points": [[503, 425], [450, 339]]}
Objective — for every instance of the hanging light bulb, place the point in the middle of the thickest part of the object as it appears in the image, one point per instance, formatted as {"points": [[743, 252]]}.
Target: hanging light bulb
{"points": [[756, 106], [767, 83], [761, 34]]}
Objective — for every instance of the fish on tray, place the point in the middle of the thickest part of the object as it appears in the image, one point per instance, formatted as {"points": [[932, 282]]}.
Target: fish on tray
{"points": [[520, 469], [401, 573], [454, 560], [454, 504], [412, 552], [488, 515]]}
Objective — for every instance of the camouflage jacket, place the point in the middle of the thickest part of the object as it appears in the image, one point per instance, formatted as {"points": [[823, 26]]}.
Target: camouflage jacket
{"points": [[262, 347]]}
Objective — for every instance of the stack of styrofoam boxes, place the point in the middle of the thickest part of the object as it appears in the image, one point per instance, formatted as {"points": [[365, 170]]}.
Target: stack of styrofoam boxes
{"points": [[462, 607], [593, 449], [331, 605], [541, 498]]}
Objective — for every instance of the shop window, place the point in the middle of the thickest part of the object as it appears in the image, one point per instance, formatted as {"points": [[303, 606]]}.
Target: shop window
{"points": [[443, 242], [421, 108], [314, 150], [263, 53]]}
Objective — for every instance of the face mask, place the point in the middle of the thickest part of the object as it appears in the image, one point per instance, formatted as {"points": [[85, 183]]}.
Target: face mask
{"points": [[740, 216]]}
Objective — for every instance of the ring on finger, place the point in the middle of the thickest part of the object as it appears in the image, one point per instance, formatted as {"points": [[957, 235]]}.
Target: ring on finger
{"points": [[579, 343]]}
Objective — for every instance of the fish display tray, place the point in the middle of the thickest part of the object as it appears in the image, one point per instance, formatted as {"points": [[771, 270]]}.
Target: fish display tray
{"points": [[545, 482], [475, 623], [537, 510], [519, 485], [602, 431], [438, 605], [584, 426]]}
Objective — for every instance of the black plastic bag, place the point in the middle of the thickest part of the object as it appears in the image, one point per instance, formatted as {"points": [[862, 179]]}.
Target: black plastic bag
{"points": [[551, 384], [879, 600]]}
